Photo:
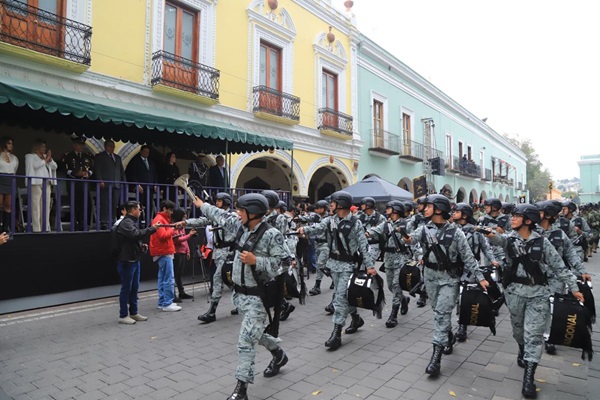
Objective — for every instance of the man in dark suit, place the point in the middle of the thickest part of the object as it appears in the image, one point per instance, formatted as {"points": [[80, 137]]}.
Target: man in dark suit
{"points": [[142, 170], [109, 170], [79, 166], [218, 175]]}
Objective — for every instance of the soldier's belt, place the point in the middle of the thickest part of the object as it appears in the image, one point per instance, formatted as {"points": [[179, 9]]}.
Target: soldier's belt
{"points": [[248, 291], [372, 241], [320, 240], [343, 257], [392, 250]]}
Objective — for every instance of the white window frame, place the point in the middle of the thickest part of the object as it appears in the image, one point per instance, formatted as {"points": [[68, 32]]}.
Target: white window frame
{"points": [[336, 64], [411, 115], [382, 99], [482, 163], [449, 150]]}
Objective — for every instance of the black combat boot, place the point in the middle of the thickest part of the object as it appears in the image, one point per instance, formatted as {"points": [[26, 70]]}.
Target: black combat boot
{"points": [[278, 361], [435, 364], [235, 311], [316, 289], [332, 286], [404, 308], [449, 348], [528, 381], [550, 348], [239, 393], [356, 323], [461, 333], [520, 361], [329, 309], [286, 310], [422, 300], [209, 316], [393, 319], [335, 340]]}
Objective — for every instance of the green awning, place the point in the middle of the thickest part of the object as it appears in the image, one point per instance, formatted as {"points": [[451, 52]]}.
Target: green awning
{"points": [[71, 112]]}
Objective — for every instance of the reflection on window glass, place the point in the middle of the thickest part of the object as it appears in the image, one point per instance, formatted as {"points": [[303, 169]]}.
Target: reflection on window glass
{"points": [[170, 29]]}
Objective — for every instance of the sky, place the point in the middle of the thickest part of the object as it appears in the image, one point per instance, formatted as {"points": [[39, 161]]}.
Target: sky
{"points": [[531, 67]]}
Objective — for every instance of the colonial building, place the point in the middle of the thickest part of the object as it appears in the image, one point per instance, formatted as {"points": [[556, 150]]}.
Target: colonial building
{"points": [[589, 175]]}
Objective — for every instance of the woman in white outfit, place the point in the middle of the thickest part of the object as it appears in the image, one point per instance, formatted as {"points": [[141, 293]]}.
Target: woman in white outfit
{"points": [[39, 165]]}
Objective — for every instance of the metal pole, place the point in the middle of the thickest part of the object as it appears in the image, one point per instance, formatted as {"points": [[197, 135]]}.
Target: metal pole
{"points": [[291, 178]]}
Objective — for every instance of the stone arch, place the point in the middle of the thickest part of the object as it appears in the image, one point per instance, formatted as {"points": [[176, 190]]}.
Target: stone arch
{"points": [[473, 197], [406, 184], [461, 195], [483, 196], [268, 169], [326, 177]]}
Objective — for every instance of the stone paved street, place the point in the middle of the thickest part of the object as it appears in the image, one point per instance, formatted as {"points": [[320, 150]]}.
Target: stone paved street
{"points": [[80, 352]]}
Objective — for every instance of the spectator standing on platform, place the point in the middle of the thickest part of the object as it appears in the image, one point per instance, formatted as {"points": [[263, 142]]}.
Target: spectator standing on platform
{"points": [[198, 171], [109, 169], [182, 252], [168, 173], [8, 168], [218, 176], [142, 170], [162, 250], [39, 164], [128, 261], [79, 166]]}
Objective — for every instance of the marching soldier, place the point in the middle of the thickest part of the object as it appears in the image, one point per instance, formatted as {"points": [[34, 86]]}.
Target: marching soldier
{"points": [[260, 251], [395, 255], [530, 258], [564, 247], [79, 165], [462, 215], [321, 208], [416, 221], [582, 229], [346, 240], [225, 226], [446, 253]]}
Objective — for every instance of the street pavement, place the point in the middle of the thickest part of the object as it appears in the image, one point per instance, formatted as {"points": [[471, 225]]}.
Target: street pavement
{"points": [[79, 351]]}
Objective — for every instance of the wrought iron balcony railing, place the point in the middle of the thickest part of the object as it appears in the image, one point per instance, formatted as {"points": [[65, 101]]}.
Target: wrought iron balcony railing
{"points": [[332, 120], [384, 141], [274, 102], [183, 74], [39, 30], [488, 175], [412, 150]]}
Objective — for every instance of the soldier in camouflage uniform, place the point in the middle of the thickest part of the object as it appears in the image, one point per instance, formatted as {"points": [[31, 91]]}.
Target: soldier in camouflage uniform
{"points": [[225, 225], [593, 217], [582, 229], [446, 254], [564, 247], [370, 218], [265, 258], [416, 221], [463, 216], [494, 219], [321, 208], [530, 258], [395, 255], [345, 239]]}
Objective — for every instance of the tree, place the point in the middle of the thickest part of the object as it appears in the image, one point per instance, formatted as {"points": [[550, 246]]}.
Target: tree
{"points": [[538, 177]]}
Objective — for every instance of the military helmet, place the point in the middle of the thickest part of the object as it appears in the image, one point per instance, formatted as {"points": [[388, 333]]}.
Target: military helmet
{"points": [[570, 204], [281, 204], [253, 203], [408, 206], [464, 208], [493, 202], [396, 205], [272, 197], [225, 197], [368, 201], [529, 212], [342, 199], [322, 204], [421, 200], [439, 201], [547, 207], [507, 208]]}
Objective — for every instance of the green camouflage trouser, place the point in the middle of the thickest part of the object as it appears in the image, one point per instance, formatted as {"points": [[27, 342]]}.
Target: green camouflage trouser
{"points": [[528, 316], [251, 332], [392, 277], [219, 256], [443, 293], [322, 256], [340, 297]]}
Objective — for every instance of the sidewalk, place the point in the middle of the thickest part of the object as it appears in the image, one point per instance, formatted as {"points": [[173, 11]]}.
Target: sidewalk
{"points": [[81, 352]]}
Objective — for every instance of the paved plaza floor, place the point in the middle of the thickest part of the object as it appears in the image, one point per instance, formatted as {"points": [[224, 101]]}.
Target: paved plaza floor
{"points": [[79, 351]]}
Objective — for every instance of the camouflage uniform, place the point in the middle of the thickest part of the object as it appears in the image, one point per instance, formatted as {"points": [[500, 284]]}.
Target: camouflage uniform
{"points": [[371, 221], [270, 251], [586, 234], [528, 304], [393, 257], [478, 244], [442, 288], [354, 241], [502, 221]]}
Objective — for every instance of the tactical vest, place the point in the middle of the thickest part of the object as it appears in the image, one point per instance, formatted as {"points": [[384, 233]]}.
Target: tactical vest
{"points": [[399, 246], [528, 254], [470, 235], [441, 250], [345, 228], [564, 224]]}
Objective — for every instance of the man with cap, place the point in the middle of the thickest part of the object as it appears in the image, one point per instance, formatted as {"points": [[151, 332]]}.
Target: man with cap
{"points": [[530, 258], [346, 240], [260, 251], [582, 229], [446, 254], [79, 166]]}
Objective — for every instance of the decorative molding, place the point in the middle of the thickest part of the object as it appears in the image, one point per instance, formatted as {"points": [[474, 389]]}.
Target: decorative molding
{"points": [[337, 164], [325, 12], [279, 21]]}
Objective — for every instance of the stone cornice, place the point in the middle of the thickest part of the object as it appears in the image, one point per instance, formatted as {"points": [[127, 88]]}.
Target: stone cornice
{"points": [[327, 13]]}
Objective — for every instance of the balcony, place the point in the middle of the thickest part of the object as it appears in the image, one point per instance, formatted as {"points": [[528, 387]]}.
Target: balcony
{"points": [[41, 36], [488, 175], [412, 151], [275, 106], [453, 164], [503, 179], [519, 185], [181, 77], [383, 143], [335, 123]]}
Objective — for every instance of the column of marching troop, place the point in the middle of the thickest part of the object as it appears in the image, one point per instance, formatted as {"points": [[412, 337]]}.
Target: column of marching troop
{"points": [[519, 255]]}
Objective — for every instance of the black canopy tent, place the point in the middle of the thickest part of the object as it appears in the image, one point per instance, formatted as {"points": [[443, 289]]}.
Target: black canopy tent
{"points": [[379, 189]]}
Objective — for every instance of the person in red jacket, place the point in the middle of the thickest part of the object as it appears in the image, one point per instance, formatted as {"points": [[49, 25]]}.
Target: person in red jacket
{"points": [[162, 250]]}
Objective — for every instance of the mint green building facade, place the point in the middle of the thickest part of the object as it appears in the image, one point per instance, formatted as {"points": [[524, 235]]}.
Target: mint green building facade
{"points": [[589, 176], [409, 127]]}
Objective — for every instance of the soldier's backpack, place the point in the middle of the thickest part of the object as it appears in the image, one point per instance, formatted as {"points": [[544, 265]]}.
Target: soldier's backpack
{"points": [[366, 291], [476, 308], [410, 276], [571, 324]]}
